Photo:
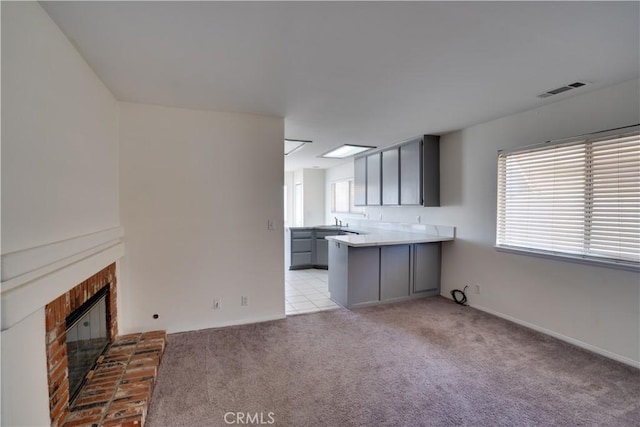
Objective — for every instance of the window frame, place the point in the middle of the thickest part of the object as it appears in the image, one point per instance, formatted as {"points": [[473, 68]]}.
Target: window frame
{"points": [[353, 209], [560, 255]]}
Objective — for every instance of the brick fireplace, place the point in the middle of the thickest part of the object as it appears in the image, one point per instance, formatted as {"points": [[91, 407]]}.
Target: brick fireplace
{"points": [[118, 390], [56, 313]]}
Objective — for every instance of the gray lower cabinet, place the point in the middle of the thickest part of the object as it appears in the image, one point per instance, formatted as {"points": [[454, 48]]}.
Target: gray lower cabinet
{"points": [[354, 275], [361, 276], [322, 252], [426, 268], [395, 270], [308, 247], [301, 248]]}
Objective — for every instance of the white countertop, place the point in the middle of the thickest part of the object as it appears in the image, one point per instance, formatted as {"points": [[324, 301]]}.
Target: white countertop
{"points": [[387, 237]]}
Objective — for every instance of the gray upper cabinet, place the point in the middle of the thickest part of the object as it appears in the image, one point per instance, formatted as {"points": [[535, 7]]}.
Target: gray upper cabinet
{"points": [[391, 177], [360, 181], [410, 176], [373, 179], [407, 175], [431, 171]]}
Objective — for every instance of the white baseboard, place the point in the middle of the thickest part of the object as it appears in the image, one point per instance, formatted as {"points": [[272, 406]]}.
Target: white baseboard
{"points": [[225, 324], [578, 343]]}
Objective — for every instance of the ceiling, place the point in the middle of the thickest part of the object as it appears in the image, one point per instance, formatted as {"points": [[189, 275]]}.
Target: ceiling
{"points": [[368, 73]]}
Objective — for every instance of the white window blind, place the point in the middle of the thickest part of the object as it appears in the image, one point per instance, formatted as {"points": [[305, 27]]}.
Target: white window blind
{"points": [[579, 198], [343, 197]]}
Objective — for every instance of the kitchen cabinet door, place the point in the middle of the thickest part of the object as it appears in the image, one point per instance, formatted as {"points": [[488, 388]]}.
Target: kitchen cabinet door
{"points": [[360, 181], [364, 276], [373, 180], [431, 171], [391, 177], [394, 272], [410, 176], [322, 253], [426, 267]]}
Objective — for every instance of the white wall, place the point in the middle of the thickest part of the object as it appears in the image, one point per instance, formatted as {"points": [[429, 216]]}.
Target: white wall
{"points": [[595, 307], [196, 191], [25, 393], [59, 182], [59, 136], [288, 181], [314, 195]]}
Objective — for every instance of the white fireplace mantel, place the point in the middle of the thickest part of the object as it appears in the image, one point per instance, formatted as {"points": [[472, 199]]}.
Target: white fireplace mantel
{"points": [[31, 278]]}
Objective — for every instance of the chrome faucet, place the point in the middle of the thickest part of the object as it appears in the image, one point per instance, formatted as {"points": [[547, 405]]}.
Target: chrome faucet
{"points": [[338, 222]]}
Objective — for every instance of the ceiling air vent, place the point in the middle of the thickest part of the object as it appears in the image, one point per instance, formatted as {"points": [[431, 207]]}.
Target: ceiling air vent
{"points": [[562, 89]]}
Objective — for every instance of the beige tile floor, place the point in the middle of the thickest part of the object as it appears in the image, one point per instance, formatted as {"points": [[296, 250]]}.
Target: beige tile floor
{"points": [[307, 291]]}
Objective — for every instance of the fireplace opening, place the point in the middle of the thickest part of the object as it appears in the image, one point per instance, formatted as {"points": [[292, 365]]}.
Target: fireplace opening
{"points": [[87, 338]]}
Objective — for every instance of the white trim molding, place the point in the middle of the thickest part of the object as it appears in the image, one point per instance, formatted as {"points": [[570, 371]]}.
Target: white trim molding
{"points": [[31, 278]]}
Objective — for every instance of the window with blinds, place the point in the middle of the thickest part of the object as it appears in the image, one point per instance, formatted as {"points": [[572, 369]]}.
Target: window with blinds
{"points": [[343, 197], [579, 198]]}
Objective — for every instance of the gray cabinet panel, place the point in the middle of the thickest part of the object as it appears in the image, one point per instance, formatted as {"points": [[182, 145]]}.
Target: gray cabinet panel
{"points": [[390, 177], [338, 272], [360, 181], [410, 178], [302, 258], [373, 180], [301, 234], [301, 245], [394, 272], [322, 253], [431, 171], [426, 267], [364, 275]]}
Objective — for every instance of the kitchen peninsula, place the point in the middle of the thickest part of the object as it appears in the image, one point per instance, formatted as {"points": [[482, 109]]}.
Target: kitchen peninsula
{"points": [[382, 265]]}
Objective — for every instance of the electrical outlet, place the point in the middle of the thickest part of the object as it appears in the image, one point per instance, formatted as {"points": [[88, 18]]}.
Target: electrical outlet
{"points": [[477, 288], [270, 225], [244, 301], [216, 303]]}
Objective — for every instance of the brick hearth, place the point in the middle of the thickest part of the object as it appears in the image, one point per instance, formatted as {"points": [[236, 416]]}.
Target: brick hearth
{"points": [[119, 392]]}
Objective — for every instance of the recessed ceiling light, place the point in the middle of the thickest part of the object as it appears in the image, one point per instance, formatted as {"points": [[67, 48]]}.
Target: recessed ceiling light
{"points": [[293, 145], [346, 150]]}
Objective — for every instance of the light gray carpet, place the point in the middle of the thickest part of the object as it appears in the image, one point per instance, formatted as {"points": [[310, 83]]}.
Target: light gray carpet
{"points": [[428, 362]]}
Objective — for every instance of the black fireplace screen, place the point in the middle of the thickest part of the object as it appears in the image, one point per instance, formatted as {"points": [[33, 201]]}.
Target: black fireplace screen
{"points": [[87, 337]]}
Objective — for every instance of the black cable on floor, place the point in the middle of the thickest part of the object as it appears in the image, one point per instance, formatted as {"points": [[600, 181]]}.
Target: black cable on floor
{"points": [[455, 292]]}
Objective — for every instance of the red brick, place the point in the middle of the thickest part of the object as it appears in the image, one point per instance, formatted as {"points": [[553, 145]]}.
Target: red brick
{"points": [[49, 318], [140, 397], [123, 411], [133, 421], [58, 379], [87, 421], [59, 407], [92, 401]]}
